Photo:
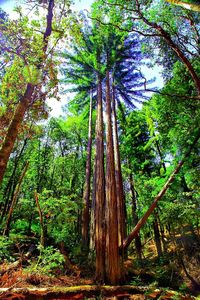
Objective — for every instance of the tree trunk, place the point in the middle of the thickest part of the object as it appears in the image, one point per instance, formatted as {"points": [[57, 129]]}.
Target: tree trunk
{"points": [[138, 244], [92, 210], [42, 227], [74, 173], [11, 183], [23, 104], [99, 190], [118, 175], [14, 200], [13, 129], [143, 220], [113, 272], [157, 236], [86, 195], [162, 233], [160, 154]]}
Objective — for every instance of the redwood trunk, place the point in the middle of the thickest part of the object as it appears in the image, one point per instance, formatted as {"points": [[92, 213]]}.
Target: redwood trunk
{"points": [[118, 175], [113, 272], [86, 195], [99, 190], [143, 220]]}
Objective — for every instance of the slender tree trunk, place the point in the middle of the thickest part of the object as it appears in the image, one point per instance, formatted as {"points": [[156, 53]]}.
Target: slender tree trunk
{"points": [[160, 154], [113, 272], [138, 244], [157, 236], [23, 105], [14, 200], [43, 164], [74, 174], [100, 191], [118, 175], [162, 232], [42, 227], [143, 220], [92, 211], [11, 182], [86, 195]]}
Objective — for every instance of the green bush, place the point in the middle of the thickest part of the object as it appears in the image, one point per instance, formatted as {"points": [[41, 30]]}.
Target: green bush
{"points": [[50, 261], [6, 246]]}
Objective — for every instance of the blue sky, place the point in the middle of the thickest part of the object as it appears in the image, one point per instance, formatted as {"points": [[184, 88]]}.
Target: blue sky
{"points": [[8, 5]]}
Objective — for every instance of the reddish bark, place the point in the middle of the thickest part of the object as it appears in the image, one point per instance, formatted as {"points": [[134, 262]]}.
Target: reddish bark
{"points": [[118, 175], [99, 191], [13, 129], [113, 271]]}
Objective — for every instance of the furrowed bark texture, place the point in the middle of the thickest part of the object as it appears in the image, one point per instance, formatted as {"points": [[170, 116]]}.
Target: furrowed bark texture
{"points": [[113, 272], [100, 191], [118, 175]]}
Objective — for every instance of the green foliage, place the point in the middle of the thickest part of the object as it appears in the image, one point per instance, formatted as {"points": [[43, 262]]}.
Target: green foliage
{"points": [[6, 248], [59, 216], [49, 262]]}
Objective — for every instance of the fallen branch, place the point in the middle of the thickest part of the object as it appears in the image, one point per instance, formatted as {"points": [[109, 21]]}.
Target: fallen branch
{"points": [[19, 262], [80, 292]]}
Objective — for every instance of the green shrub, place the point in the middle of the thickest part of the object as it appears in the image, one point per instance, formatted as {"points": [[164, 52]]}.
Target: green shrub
{"points": [[6, 246], [50, 261]]}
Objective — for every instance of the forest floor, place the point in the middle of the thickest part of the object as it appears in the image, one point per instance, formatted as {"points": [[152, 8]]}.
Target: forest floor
{"points": [[175, 275]]}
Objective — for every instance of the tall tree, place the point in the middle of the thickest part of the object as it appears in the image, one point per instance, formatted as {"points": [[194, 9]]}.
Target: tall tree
{"points": [[113, 271], [100, 237], [32, 89], [86, 195]]}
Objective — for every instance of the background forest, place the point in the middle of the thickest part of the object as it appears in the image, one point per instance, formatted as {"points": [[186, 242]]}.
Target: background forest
{"points": [[109, 191]]}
